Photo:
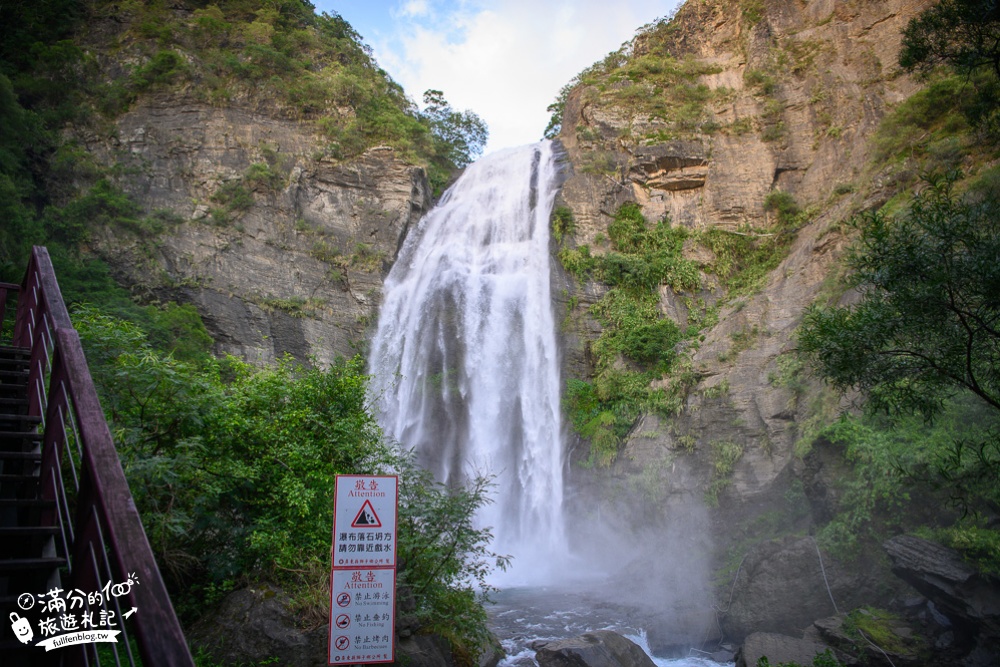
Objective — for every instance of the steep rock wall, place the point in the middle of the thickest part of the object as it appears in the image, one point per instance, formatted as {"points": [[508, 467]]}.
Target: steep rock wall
{"points": [[797, 91], [281, 249]]}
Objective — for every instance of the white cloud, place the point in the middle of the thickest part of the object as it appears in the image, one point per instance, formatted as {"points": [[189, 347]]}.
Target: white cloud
{"points": [[414, 8], [506, 60]]}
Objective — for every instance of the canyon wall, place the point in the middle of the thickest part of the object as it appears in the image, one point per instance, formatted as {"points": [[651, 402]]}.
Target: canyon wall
{"points": [[789, 98]]}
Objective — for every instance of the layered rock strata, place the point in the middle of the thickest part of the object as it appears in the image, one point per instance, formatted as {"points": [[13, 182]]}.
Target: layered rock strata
{"points": [[281, 249]]}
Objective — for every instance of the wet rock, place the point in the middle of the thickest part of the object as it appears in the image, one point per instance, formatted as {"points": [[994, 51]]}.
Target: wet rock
{"points": [[723, 656], [492, 654], [905, 644], [424, 651], [777, 649], [675, 634], [940, 573], [602, 648]]}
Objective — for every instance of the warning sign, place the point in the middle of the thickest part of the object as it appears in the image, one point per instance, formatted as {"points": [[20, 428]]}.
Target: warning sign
{"points": [[366, 518], [363, 580], [364, 523], [362, 631]]}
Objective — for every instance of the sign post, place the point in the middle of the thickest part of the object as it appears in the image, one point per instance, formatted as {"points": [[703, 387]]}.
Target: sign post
{"points": [[363, 577]]}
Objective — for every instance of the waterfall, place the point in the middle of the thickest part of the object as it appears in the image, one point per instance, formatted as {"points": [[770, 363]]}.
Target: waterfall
{"points": [[465, 363]]}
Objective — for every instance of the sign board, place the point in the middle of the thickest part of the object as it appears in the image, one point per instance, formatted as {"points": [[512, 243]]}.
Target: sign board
{"points": [[364, 521], [362, 616], [363, 580]]}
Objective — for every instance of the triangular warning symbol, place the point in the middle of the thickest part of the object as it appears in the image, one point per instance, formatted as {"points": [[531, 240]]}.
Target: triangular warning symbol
{"points": [[366, 518]]}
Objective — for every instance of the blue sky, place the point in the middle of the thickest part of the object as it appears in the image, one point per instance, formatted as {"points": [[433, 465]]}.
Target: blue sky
{"points": [[503, 59]]}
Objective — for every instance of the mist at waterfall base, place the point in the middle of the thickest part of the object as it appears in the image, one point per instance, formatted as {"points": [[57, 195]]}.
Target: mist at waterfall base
{"points": [[465, 370]]}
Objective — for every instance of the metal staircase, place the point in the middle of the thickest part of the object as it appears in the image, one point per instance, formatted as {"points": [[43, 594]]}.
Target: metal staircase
{"points": [[28, 530], [69, 528]]}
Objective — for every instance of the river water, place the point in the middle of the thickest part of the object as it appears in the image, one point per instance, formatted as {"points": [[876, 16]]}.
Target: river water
{"points": [[522, 616]]}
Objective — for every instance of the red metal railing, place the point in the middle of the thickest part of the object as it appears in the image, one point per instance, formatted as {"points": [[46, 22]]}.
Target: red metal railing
{"points": [[100, 531]]}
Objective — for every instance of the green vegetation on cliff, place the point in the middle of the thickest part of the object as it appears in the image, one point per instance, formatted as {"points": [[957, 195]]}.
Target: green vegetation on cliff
{"points": [[919, 349], [638, 344], [921, 344], [928, 323], [965, 35], [641, 359], [648, 82]]}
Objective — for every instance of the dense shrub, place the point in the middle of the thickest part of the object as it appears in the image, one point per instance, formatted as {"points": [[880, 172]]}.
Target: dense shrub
{"points": [[233, 469]]}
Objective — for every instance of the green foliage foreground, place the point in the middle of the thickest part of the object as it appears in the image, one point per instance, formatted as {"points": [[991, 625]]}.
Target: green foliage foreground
{"points": [[233, 470]]}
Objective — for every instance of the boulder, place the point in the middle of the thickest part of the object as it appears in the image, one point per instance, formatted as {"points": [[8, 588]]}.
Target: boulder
{"points": [[602, 648], [675, 633], [253, 625], [781, 589], [903, 643], [940, 573], [777, 649], [970, 599], [424, 651]]}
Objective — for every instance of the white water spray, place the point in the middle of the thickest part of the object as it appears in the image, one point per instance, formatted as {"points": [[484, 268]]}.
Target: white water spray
{"points": [[465, 362]]}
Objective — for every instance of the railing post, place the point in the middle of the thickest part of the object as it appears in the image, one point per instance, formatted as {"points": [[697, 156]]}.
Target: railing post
{"points": [[26, 304]]}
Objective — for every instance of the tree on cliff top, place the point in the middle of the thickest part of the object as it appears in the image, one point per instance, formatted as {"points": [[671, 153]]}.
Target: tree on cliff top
{"points": [[965, 35], [962, 33], [459, 138], [462, 134]]}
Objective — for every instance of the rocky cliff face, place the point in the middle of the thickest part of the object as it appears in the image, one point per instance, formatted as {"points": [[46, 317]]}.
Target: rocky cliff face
{"points": [[790, 96], [281, 249]]}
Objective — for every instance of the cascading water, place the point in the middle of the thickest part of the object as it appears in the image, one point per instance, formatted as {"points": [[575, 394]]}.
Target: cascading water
{"points": [[465, 362]]}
